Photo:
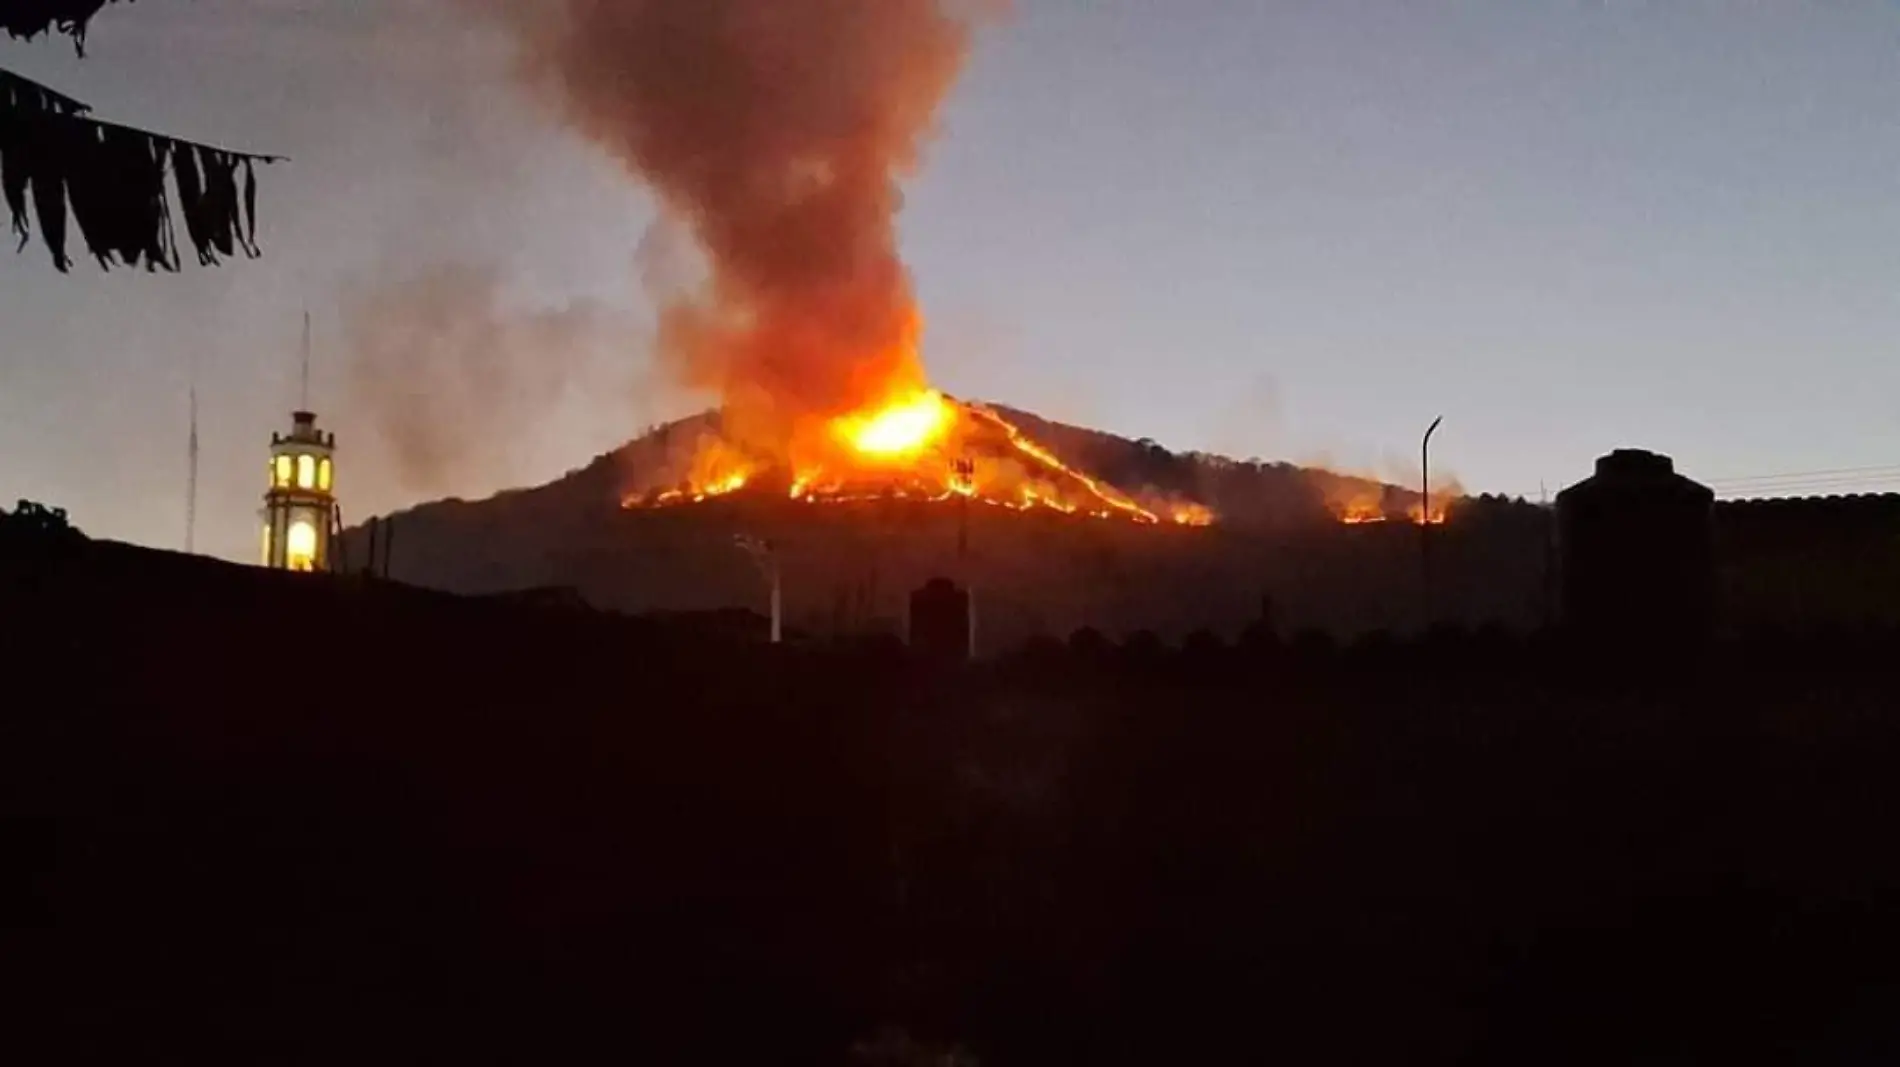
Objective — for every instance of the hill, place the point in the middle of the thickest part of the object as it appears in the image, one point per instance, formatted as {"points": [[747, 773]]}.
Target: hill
{"points": [[848, 567]]}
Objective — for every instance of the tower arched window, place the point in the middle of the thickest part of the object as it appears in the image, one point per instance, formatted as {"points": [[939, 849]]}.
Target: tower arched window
{"points": [[300, 547], [306, 471]]}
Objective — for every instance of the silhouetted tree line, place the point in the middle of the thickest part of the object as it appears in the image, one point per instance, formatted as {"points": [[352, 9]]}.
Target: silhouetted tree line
{"points": [[33, 529], [267, 818]]}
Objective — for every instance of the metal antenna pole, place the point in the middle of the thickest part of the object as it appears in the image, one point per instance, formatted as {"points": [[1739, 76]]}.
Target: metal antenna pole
{"points": [[191, 477], [303, 395], [1425, 517]]}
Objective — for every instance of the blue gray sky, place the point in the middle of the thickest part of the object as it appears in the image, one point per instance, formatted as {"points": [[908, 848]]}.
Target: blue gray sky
{"points": [[1287, 230]]}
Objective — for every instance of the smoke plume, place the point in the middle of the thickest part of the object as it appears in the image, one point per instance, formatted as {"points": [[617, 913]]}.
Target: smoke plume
{"points": [[452, 379], [777, 132]]}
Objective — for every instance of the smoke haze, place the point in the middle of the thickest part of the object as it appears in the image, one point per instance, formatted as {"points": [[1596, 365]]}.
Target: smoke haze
{"points": [[775, 132], [452, 379]]}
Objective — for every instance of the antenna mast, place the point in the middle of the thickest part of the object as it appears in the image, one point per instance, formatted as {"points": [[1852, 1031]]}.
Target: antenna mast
{"points": [[303, 396], [191, 478]]}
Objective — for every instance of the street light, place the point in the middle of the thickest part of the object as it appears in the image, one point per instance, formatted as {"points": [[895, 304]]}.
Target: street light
{"points": [[765, 557], [1425, 470], [1425, 517]]}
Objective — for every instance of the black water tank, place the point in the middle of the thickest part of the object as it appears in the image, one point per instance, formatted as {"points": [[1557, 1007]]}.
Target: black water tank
{"points": [[940, 621], [1636, 543]]}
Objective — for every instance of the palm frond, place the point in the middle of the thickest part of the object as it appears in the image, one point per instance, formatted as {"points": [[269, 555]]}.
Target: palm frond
{"points": [[118, 184]]}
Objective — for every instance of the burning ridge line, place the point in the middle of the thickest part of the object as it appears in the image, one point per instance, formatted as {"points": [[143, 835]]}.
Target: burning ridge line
{"points": [[939, 425]]}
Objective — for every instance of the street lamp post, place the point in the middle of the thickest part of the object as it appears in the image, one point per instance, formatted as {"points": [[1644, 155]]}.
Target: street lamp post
{"points": [[1425, 517], [765, 557]]}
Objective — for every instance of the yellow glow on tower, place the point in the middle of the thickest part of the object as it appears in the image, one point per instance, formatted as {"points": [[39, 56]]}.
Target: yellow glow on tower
{"points": [[300, 514], [300, 548]]}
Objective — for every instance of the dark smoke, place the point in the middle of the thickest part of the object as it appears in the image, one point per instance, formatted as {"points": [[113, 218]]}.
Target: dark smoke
{"points": [[453, 380], [777, 132]]}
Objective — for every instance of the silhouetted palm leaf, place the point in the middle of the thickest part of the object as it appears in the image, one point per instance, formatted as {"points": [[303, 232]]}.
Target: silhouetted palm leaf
{"points": [[112, 181]]}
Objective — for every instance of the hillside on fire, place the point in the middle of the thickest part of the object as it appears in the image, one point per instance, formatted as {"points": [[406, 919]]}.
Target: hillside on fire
{"points": [[1200, 541]]}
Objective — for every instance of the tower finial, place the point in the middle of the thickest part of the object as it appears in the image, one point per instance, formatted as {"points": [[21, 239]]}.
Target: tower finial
{"points": [[303, 397]]}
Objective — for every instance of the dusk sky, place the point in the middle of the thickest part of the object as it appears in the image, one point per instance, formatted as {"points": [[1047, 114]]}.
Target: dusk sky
{"points": [[1287, 230]]}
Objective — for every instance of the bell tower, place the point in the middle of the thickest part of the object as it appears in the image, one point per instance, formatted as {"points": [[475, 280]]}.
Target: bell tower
{"points": [[301, 500]]}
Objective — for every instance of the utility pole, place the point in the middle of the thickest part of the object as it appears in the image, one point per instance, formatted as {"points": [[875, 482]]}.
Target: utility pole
{"points": [[965, 473], [965, 468], [1425, 517], [765, 557]]}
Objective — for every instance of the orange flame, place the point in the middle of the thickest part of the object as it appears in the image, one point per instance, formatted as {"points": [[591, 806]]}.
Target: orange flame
{"points": [[912, 442], [1191, 515], [1359, 502], [899, 430], [923, 445]]}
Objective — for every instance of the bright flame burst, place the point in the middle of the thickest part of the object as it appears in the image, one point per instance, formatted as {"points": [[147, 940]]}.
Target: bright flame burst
{"points": [[899, 430], [926, 446]]}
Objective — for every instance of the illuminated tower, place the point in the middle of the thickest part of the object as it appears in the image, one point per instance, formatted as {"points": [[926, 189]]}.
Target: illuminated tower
{"points": [[301, 500]]}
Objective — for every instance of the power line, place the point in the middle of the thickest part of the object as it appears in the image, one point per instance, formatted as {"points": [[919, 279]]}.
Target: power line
{"points": [[1834, 485], [1811, 483], [1884, 470], [1791, 481]]}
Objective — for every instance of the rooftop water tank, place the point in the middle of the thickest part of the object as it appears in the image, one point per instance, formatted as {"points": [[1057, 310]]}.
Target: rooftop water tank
{"points": [[1636, 544]]}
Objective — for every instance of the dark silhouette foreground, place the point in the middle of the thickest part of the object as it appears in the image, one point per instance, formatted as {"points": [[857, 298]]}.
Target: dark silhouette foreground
{"points": [[261, 818]]}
